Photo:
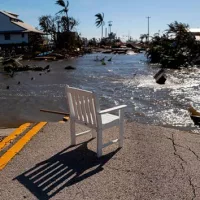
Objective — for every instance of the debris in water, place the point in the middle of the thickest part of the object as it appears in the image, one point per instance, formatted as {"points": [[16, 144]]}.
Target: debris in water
{"points": [[103, 63], [160, 77], [109, 60], [194, 114], [47, 67], [70, 68], [103, 59]]}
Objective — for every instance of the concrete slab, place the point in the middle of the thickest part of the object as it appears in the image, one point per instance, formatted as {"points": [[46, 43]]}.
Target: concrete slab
{"points": [[155, 163]]}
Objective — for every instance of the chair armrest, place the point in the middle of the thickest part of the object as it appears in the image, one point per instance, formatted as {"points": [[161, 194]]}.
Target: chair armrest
{"points": [[112, 109]]}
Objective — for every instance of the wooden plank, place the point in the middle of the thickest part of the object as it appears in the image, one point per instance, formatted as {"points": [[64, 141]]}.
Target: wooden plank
{"points": [[54, 112]]}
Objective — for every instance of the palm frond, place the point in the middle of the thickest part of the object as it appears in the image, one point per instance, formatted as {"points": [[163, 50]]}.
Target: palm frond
{"points": [[61, 11], [98, 23], [61, 3], [99, 19], [67, 5]]}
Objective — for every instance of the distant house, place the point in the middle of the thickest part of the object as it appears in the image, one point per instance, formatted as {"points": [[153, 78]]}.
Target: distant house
{"points": [[14, 30], [196, 32]]}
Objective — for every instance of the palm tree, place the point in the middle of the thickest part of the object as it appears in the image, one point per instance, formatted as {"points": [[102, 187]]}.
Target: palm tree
{"points": [[143, 36], [68, 23], [100, 22], [65, 9]]}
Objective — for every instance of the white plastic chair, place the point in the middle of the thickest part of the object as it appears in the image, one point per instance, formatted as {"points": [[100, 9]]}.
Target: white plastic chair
{"points": [[85, 110]]}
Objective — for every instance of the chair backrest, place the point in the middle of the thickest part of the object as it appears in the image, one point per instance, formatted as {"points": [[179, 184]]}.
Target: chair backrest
{"points": [[83, 106]]}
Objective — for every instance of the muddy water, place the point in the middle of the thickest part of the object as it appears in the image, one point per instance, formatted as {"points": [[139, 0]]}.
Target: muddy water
{"points": [[128, 79]]}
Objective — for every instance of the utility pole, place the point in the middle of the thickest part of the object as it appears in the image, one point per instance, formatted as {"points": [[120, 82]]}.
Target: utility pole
{"points": [[148, 27], [110, 25]]}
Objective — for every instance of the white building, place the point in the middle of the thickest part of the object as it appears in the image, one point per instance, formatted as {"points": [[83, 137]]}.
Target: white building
{"points": [[196, 32], [14, 30]]}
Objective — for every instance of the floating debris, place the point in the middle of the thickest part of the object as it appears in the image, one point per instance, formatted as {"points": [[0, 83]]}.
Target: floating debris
{"points": [[160, 77], [103, 59], [11, 68], [103, 63], [97, 58], [47, 67], [12, 74], [194, 114], [70, 68], [109, 60]]}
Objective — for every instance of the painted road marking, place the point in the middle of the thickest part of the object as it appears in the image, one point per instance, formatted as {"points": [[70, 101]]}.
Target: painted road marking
{"points": [[20, 144], [65, 119], [6, 141]]}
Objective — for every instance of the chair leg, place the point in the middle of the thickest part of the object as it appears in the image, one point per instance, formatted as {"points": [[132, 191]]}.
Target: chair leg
{"points": [[73, 134], [99, 143], [121, 128], [121, 134]]}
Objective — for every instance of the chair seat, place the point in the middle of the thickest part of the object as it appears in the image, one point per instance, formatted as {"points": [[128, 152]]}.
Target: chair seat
{"points": [[109, 120]]}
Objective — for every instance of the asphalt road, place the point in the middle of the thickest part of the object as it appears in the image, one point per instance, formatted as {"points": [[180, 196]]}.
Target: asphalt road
{"points": [[155, 163]]}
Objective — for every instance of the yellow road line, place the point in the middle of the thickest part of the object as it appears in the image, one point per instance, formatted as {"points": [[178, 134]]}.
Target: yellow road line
{"points": [[65, 119], [20, 144], [6, 141]]}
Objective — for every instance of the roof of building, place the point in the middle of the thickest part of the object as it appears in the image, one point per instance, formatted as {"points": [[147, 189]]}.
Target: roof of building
{"points": [[14, 14], [9, 14], [27, 27], [18, 22]]}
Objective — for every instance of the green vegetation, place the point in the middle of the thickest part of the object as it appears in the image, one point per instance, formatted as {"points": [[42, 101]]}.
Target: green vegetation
{"points": [[176, 48], [61, 27]]}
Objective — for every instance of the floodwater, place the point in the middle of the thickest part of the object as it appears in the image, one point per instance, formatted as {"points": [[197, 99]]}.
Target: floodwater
{"points": [[128, 79]]}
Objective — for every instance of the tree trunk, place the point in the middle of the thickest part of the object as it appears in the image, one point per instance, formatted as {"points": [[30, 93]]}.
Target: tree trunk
{"points": [[67, 23]]}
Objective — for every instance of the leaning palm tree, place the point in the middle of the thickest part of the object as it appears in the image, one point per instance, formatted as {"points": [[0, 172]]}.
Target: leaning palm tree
{"points": [[65, 9], [100, 22]]}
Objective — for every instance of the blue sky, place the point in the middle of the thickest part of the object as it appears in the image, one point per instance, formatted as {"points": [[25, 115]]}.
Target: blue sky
{"points": [[129, 17]]}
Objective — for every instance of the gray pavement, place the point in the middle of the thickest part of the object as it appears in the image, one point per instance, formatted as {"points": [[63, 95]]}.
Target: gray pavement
{"points": [[155, 163]]}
